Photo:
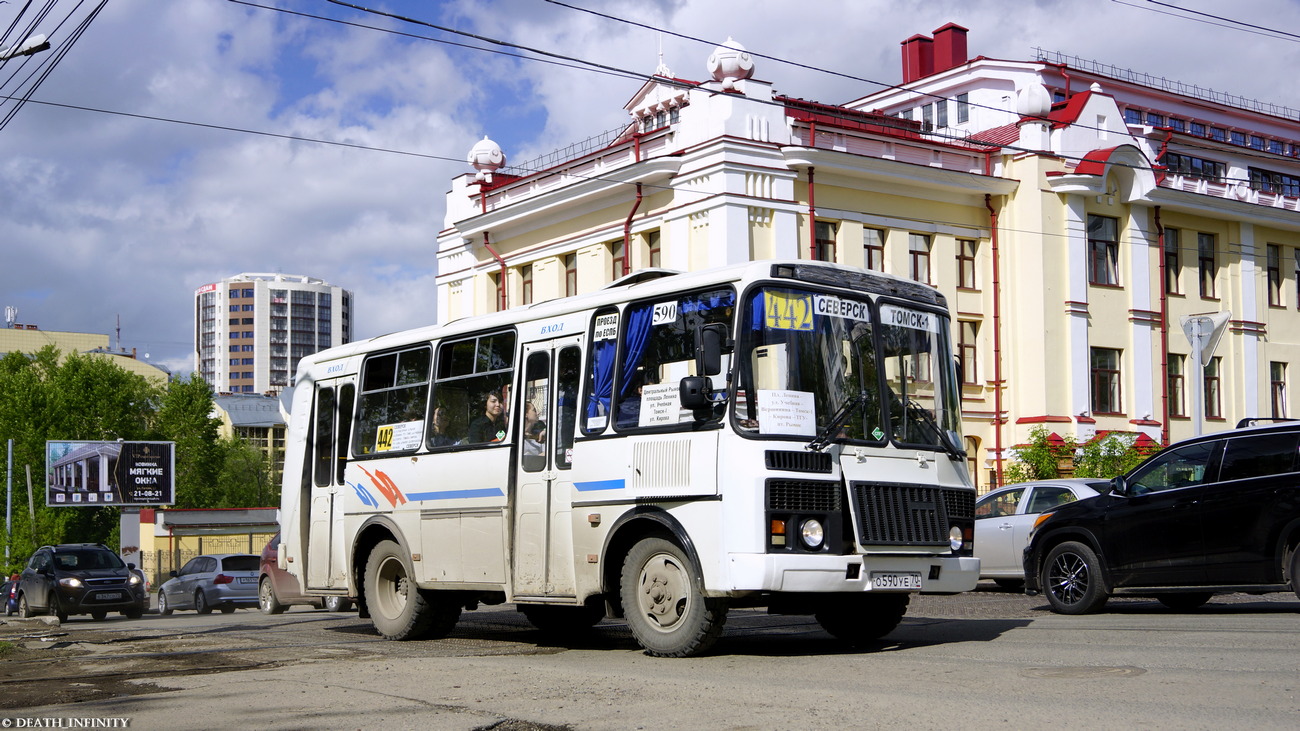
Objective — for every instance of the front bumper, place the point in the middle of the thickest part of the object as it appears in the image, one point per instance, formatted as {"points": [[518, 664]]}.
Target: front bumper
{"points": [[822, 573], [84, 601]]}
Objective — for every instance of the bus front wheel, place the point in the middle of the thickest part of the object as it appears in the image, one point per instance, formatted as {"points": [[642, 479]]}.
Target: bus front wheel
{"points": [[857, 619], [664, 603], [398, 608]]}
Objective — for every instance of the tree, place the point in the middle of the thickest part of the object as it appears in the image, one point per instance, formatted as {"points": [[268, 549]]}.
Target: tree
{"points": [[1048, 456], [185, 417]]}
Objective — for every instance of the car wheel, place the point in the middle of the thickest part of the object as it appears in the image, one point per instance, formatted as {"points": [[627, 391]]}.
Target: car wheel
{"points": [[164, 608], [24, 611], [201, 603], [266, 600], [57, 609], [1295, 571], [563, 621], [857, 619], [227, 608], [1071, 578], [336, 604], [136, 613], [1185, 602], [1011, 584], [398, 608], [99, 615], [662, 601]]}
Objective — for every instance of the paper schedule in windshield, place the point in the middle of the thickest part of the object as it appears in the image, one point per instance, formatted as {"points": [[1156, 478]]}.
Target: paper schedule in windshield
{"points": [[786, 412]]}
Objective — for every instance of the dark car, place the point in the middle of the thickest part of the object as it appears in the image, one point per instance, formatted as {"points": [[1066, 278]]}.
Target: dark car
{"points": [[9, 596], [79, 578], [225, 581], [1213, 514], [278, 589]]}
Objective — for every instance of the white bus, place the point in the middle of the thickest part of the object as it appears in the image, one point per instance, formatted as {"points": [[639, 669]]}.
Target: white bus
{"points": [[772, 434]]}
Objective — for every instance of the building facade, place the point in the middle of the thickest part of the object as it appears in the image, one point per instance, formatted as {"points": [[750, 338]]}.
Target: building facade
{"points": [[1073, 216], [250, 330]]}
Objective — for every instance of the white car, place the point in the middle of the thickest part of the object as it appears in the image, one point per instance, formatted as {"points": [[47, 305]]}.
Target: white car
{"points": [[1004, 517]]}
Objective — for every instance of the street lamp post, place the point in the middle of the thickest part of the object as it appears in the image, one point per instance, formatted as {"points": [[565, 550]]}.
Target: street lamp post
{"points": [[29, 46]]}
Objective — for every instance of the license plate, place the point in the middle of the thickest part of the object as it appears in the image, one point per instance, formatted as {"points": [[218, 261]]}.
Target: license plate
{"points": [[895, 580], [109, 595], [248, 579]]}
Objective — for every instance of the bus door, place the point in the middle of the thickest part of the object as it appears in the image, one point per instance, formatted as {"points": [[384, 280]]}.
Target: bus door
{"points": [[543, 557], [332, 419]]}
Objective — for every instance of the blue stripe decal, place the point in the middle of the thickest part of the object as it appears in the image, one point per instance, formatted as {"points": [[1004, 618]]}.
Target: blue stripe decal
{"points": [[600, 485], [455, 494]]}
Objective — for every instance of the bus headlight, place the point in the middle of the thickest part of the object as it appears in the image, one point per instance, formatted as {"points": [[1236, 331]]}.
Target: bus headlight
{"points": [[812, 533], [954, 538]]}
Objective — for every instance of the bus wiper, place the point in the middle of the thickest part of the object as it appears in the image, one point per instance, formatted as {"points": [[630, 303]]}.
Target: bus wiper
{"points": [[922, 414], [841, 415]]}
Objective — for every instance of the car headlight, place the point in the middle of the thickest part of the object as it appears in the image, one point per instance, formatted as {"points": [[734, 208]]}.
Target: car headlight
{"points": [[71, 582], [134, 580], [955, 538], [812, 533]]}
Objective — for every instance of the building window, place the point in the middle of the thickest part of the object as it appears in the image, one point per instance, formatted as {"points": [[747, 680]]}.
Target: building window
{"points": [[245, 348], [1277, 383], [941, 113], [1257, 142], [918, 246], [1105, 381], [963, 108], [1275, 147], [1274, 275], [526, 278], [234, 308], [1173, 263], [1197, 129], [1155, 120], [824, 246], [234, 361], [1209, 268], [1195, 167], [1213, 390], [248, 292], [966, 249], [1178, 125], [617, 257], [1177, 392], [1218, 134], [873, 246], [1237, 138], [652, 239], [1103, 250], [1271, 182], [570, 275], [967, 332], [1133, 116], [245, 308], [927, 116]]}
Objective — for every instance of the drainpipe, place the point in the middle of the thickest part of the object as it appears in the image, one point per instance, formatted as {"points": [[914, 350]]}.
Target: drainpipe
{"points": [[1160, 177], [812, 216], [1164, 334], [1062, 68], [997, 339], [502, 262], [627, 233]]}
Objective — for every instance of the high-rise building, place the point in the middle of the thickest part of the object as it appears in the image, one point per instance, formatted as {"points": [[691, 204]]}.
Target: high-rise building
{"points": [[250, 330]]}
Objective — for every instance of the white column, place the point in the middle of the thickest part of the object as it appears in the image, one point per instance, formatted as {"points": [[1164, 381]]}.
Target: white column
{"points": [[1076, 233]]}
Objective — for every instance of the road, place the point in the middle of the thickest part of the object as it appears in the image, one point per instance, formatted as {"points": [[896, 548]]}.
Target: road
{"points": [[982, 660]]}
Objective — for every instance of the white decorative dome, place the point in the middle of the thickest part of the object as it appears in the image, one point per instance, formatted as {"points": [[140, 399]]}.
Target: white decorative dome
{"points": [[486, 157], [1033, 101], [730, 63], [1095, 88]]}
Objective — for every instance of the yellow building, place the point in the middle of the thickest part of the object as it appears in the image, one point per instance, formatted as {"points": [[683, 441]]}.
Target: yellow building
{"points": [[1072, 219], [29, 339]]}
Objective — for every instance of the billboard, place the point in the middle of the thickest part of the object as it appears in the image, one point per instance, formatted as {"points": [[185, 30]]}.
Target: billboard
{"points": [[95, 474]]}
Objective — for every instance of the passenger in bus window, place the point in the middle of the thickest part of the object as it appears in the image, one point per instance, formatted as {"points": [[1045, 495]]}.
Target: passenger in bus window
{"points": [[438, 436], [491, 426], [534, 431]]}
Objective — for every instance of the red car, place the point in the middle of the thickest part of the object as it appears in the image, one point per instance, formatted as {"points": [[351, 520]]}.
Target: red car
{"points": [[277, 589]]}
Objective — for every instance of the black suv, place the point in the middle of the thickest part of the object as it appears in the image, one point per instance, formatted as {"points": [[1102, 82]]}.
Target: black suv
{"points": [[1213, 514], [79, 578]]}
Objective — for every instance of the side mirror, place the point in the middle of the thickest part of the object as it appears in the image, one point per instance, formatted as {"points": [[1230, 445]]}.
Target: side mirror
{"points": [[171, 573], [130, 565], [1119, 485], [709, 341], [694, 392]]}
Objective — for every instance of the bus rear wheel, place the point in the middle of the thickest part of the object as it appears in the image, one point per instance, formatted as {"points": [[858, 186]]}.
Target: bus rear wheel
{"points": [[857, 619], [664, 603], [398, 608]]}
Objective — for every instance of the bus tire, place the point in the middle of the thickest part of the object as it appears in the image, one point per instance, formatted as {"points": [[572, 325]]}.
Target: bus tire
{"points": [[857, 619], [398, 608], [664, 603]]}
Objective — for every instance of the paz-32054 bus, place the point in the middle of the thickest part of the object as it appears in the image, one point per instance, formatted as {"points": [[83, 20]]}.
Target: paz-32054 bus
{"points": [[772, 434]]}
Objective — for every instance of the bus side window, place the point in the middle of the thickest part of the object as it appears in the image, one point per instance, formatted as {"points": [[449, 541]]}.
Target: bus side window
{"points": [[600, 377], [471, 382], [324, 437]]}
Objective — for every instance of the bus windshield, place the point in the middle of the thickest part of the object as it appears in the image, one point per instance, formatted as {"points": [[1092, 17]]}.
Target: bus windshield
{"points": [[817, 365]]}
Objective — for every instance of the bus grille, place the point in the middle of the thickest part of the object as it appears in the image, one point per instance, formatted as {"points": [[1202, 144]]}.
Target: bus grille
{"points": [[798, 461], [801, 496], [898, 514]]}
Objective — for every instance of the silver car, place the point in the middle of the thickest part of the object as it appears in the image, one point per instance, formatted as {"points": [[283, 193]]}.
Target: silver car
{"points": [[1004, 517], [223, 581]]}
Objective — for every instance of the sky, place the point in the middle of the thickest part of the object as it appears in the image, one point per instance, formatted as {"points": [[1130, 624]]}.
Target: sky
{"points": [[179, 142]]}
